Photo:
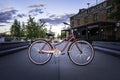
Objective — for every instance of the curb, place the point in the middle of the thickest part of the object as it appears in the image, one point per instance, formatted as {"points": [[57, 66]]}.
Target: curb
{"points": [[5, 52], [108, 50]]}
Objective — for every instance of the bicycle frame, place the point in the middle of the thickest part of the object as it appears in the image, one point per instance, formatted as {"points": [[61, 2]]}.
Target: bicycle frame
{"points": [[60, 51], [65, 46]]}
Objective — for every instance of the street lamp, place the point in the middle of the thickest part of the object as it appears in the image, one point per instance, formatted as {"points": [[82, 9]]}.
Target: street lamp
{"points": [[96, 2], [66, 23], [67, 28], [88, 4]]}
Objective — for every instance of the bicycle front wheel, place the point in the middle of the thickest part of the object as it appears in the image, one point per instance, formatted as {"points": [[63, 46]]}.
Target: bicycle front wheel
{"points": [[81, 52], [34, 52]]}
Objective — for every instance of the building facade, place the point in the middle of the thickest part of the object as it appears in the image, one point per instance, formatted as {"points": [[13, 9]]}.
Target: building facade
{"points": [[94, 23]]}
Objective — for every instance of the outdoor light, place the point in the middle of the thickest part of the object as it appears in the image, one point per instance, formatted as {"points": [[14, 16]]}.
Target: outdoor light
{"points": [[75, 29], [101, 30], [115, 29], [88, 4], [66, 23], [97, 32], [118, 24]]}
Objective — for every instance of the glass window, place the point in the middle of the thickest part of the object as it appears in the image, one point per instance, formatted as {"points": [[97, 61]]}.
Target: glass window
{"points": [[78, 21], [95, 17], [86, 19]]}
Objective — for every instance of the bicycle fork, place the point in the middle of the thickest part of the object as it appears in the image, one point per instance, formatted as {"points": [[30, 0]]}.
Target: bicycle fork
{"points": [[81, 52], [78, 48]]}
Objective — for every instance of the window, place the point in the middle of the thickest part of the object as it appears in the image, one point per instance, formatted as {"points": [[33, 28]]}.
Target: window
{"points": [[109, 11], [95, 17], [72, 24], [78, 21], [86, 19]]}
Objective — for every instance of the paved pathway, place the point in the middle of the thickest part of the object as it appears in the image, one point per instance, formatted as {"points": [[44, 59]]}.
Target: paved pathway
{"points": [[17, 66]]}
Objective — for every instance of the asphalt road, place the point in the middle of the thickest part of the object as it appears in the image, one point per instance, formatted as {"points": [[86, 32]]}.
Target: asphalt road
{"points": [[17, 66]]}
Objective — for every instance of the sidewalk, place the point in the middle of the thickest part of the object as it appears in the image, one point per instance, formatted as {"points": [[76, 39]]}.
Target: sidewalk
{"points": [[111, 47]]}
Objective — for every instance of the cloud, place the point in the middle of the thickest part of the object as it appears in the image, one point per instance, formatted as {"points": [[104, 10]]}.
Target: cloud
{"points": [[9, 7], [21, 15], [55, 20], [52, 16], [2, 25], [7, 15], [36, 5], [36, 11]]}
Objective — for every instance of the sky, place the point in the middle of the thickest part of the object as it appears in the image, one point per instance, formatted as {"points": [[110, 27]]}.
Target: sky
{"points": [[53, 12]]}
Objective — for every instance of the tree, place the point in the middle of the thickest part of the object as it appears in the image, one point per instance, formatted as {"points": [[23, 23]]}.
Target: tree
{"points": [[30, 28], [42, 29], [31, 31], [63, 35], [58, 36], [16, 29], [34, 29], [22, 31], [115, 13]]}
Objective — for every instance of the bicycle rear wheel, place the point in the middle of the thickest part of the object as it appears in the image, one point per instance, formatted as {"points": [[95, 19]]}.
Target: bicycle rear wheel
{"points": [[34, 52], [83, 56]]}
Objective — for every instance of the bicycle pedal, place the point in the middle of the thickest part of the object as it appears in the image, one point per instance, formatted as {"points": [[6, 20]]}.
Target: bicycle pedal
{"points": [[62, 53]]}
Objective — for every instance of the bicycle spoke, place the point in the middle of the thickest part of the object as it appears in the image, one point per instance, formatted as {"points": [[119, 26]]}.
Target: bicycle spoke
{"points": [[36, 49], [36, 56], [83, 55]]}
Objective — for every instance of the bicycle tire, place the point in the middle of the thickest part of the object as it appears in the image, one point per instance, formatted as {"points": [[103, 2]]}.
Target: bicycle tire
{"points": [[79, 58], [35, 56]]}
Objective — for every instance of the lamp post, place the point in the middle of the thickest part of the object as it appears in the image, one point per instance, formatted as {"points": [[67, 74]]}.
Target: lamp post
{"points": [[88, 4], [66, 23], [65, 31], [96, 2]]}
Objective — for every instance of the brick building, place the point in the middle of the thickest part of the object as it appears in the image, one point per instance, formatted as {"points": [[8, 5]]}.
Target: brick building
{"points": [[93, 23]]}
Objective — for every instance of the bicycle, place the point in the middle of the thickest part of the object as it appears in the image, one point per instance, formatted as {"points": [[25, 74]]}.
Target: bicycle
{"points": [[79, 51]]}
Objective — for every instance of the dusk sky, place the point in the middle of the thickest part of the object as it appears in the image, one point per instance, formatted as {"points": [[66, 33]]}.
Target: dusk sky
{"points": [[53, 12]]}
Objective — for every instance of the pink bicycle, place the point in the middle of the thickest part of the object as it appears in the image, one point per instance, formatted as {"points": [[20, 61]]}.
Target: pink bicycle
{"points": [[79, 51]]}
